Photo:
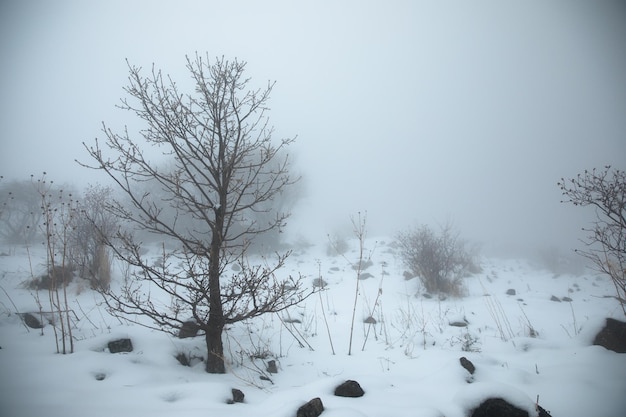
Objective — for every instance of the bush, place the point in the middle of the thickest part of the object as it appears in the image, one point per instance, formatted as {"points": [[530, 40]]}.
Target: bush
{"points": [[440, 260], [92, 227]]}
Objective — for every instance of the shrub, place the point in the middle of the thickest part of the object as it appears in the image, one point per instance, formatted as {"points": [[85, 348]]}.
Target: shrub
{"points": [[440, 260]]}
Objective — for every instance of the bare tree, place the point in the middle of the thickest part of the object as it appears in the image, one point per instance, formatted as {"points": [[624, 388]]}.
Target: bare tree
{"points": [[20, 211], [605, 244], [225, 167], [91, 228]]}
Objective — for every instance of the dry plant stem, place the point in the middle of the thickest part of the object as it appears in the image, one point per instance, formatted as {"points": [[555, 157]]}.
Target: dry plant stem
{"points": [[36, 293], [14, 306], [380, 292], [330, 338], [57, 215], [359, 231], [300, 342]]}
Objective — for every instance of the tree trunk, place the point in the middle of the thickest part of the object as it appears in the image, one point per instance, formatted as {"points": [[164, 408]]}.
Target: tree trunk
{"points": [[215, 324], [215, 350]]}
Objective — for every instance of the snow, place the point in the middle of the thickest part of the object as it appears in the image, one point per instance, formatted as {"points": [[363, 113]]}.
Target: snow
{"points": [[408, 363]]}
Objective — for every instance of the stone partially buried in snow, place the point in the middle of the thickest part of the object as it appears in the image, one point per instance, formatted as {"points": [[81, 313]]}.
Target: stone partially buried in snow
{"points": [[238, 396], [31, 321], [189, 329], [311, 409], [612, 336], [349, 389], [468, 365], [120, 345], [497, 407]]}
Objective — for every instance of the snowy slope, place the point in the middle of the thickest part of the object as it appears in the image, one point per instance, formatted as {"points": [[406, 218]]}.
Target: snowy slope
{"points": [[523, 346]]}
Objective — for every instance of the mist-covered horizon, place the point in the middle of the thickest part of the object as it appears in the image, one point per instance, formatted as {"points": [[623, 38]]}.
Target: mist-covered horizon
{"points": [[416, 113]]}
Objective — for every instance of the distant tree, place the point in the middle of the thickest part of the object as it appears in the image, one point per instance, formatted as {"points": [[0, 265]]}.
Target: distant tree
{"points": [[225, 167], [20, 211], [605, 191], [92, 226], [440, 260]]}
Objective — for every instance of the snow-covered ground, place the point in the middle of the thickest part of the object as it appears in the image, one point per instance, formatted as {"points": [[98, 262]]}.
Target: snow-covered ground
{"points": [[523, 346]]}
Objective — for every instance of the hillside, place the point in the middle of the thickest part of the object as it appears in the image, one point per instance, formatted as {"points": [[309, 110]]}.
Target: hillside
{"points": [[531, 343]]}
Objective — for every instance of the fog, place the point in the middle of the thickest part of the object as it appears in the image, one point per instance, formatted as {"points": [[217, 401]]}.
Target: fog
{"points": [[414, 112]]}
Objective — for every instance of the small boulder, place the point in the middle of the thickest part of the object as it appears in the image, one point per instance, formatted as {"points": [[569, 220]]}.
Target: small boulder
{"points": [[511, 291], [468, 365], [458, 323], [120, 345], [612, 336], [271, 367], [497, 407], [555, 298], [311, 409], [31, 321], [189, 329], [408, 275], [370, 320], [238, 396], [349, 389]]}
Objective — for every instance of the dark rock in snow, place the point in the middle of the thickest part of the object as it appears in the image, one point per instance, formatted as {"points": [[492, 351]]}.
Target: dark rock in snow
{"points": [[189, 329], [311, 409], [238, 396], [497, 407], [511, 291], [349, 389], [31, 321], [612, 336], [120, 345], [271, 367], [468, 365], [458, 323], [370, 320], [566, 299], [100, 376], [542, 412], [557, 299], [426, 295]]}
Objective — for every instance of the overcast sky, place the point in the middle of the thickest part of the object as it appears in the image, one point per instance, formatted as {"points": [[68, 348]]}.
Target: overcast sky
{"points": [[414, 111]]}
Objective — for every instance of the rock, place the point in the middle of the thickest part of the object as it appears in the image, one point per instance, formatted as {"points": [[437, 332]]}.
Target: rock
{"points": [[370, 320], [497, 407], [120, 345], [189, 329], [319, 283], [311, 409], [557, 299], [238, 396], [542, 412], [566, 299], [362, 265], [458, 323], [365, 275], [31, 321], [408, 275], [183, 359], [349, 389], [468, 365], [271, 367], [427, 296], [100, 376], [612, 336], [511, 291]]}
